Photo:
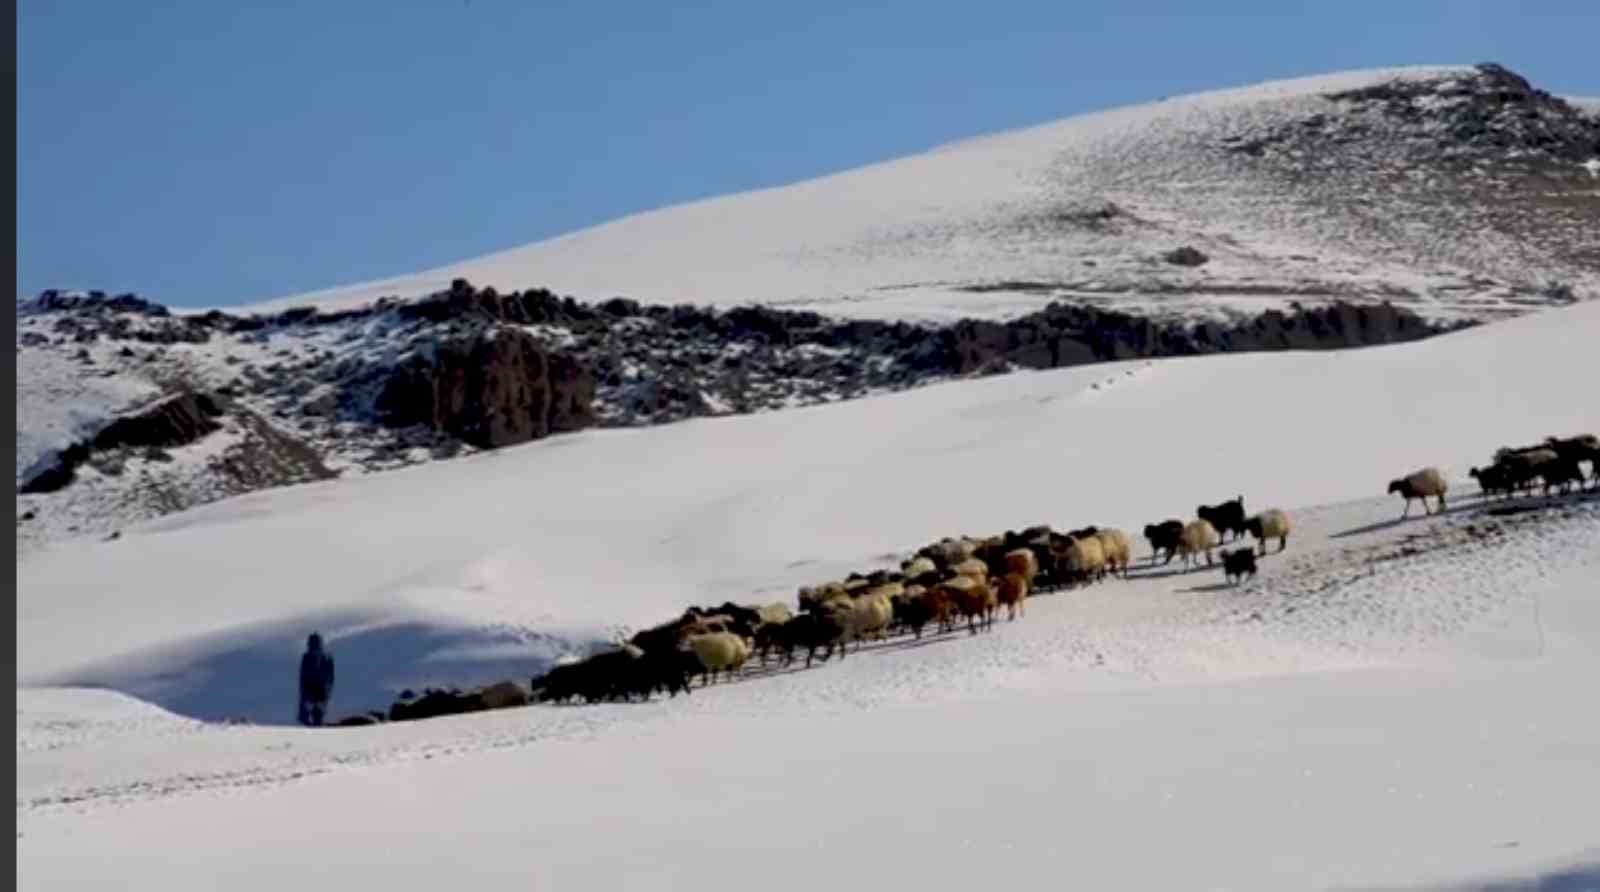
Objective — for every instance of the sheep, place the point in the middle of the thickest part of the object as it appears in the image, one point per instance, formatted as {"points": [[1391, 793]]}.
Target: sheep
{"points": [[811, 631], [1561, 474], [719, 652], [770, 637], [1270, 524], [505, 694], [1199, 537], [1495, 479], [917, 567], [890, 590], [776, 612], [867, 618], [1420, 485], [1228, 517], [972, 567], [1583, 447], [1238, 563], [707, 624], [948, 551], [665, 637], [1084, 559], [1117, 549], [1012, 592], [941, 607], [1525, 466], [919, 607], [1163, 536], [814, 598], [972, 598], [1023, 562]]}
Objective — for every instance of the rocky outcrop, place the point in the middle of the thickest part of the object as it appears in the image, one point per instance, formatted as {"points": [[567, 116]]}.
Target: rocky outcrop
{"points": [[1185, 256], [490, 388], [174, 420], [1067, 335], [1495, 111]]}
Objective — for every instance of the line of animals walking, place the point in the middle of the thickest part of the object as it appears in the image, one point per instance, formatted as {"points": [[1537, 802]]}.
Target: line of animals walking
{"points": [[970, 581]]}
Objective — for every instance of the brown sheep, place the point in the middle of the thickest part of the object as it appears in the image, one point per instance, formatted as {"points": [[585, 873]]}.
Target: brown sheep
{"points": [[1023, 562], [1012, 591], [973, 600]]}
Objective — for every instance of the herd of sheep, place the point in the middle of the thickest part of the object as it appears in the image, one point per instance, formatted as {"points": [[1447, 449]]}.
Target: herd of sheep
{"points": [[969, 581]]}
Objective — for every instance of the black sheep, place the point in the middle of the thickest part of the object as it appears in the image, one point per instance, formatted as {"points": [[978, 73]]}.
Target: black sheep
{"points": [[1493, 480], [811, 631], [1164, 536], [913, 614], [1561, 474], [1238, 563], [1226, 517]]}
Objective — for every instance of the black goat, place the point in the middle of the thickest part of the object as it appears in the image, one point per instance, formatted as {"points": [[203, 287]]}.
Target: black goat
{"points": [[1238, 563], [1164, 536], [1228, 517]]}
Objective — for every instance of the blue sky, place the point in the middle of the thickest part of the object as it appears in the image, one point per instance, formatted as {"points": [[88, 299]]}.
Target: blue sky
{"points": [[205, 153]]}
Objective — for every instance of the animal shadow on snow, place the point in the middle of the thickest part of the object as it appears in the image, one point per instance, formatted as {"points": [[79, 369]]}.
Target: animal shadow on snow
{"points": [[1209, 589], [1476, 505]]}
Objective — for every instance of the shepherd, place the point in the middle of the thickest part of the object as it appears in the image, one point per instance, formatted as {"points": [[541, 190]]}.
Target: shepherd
{"points": [[316, 681]]}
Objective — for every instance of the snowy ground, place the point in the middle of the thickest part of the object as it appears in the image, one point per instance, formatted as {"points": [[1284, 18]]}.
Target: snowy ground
{"points": [[1417, 721], [1018, 215]]}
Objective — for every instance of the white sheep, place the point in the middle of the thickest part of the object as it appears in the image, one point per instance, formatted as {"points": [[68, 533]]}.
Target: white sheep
{"points": [[1117, 548], [868, 617], [918, 567], [1420, 485], [1199, 537], [720, 651], [1272, 523], [1085, 558], [776, 612]]}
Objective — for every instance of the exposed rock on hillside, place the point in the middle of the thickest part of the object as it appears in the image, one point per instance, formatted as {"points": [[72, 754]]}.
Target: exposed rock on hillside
{"points": [[175, 420], [301, 395], [492, 390]]}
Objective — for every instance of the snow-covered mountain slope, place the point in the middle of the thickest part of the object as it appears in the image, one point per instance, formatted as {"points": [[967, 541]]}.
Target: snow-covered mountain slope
{"points": [[1459, 191], [1388, 703], [526, 550]]}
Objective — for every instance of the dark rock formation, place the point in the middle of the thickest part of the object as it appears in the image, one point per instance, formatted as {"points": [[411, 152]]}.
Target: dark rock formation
{"points": [[1185, 256], [489, 388], [173, 420], [1497, 110]]}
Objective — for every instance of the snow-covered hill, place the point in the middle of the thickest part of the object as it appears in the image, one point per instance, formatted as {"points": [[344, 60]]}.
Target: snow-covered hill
{"points": [[1459, 191], [1388, 703]]}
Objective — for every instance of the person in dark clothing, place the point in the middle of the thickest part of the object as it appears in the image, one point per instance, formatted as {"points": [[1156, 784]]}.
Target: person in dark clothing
{"points": [[316, 681]]}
